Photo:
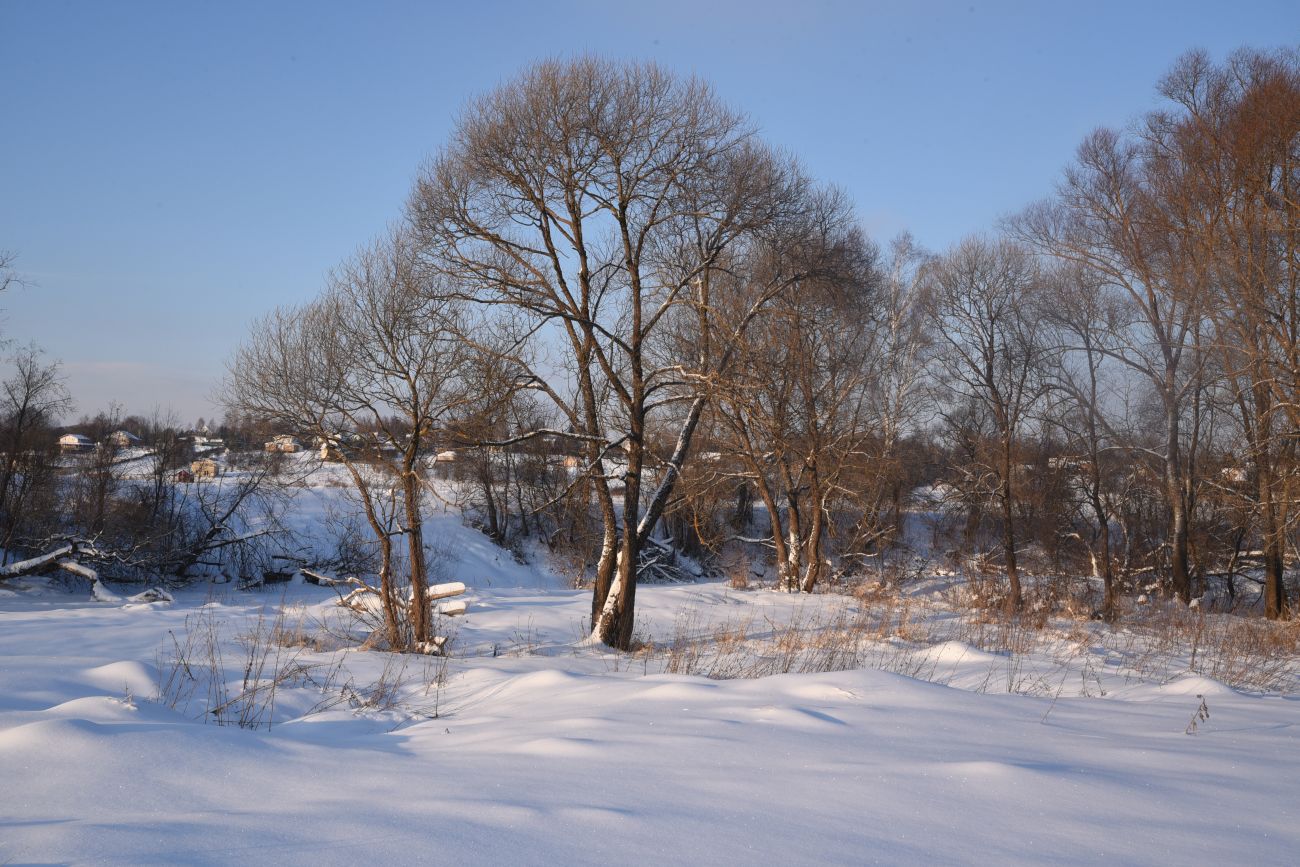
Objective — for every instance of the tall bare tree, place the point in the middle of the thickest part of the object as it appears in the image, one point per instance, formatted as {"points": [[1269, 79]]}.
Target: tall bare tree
{"points": [[795, 409], [1235, 134], [1083, 319], [980, 297], [905, 342], [587, 200], [1113, 215], [1193, 217]]}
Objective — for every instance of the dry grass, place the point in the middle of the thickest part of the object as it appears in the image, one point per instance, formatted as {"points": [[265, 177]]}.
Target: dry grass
{"points": [[1053, 647], [237, 681], [197, 669], [296, 627], [1162, 640]]}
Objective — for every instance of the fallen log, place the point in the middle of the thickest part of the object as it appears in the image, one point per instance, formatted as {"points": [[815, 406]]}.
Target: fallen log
{"points": [[452, 609], [442, 591], [98, 591], [35, 564]]}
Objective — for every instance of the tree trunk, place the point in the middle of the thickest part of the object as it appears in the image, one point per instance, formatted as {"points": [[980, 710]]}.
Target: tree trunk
{"points": [[490, 506], [1015, 599], [789, 577], [1180, 570], [813, 555], [614, 623], [1109, 604], [419, 611], [1275, 601], [387, 595]]}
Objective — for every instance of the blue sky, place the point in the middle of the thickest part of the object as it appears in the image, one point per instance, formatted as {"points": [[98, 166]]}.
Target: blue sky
{"points": [[170, 171]]}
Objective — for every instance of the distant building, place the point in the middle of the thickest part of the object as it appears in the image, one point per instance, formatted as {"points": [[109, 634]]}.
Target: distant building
{"points": [[75, 443], [201, 439], [204, 469], [123, 439], [284, 443]]}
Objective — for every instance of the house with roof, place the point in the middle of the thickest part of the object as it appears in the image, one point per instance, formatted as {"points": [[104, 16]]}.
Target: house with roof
{"points": [[73, 443], [123, 439], [287, 443]]}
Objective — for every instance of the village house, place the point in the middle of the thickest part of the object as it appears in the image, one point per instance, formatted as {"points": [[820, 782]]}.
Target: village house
{"points": [[284, 443], [204, 469], [123, 439], [73, 442]]}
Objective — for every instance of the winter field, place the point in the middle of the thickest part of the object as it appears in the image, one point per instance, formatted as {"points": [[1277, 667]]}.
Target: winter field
{"points": [[883, 725]]}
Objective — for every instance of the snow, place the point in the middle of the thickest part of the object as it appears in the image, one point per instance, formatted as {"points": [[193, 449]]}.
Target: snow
{"points": [[537, 749]]}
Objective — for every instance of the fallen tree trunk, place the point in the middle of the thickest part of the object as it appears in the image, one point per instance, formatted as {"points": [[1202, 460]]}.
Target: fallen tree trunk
{"points": [[36, 564], [64, 558]]}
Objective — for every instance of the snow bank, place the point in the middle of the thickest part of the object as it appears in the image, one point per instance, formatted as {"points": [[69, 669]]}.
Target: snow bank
{"points": [[579, 758], [536, 750]]}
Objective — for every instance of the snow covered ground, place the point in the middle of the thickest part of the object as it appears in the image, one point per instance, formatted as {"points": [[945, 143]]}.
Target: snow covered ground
{"points": [[528, 748]]}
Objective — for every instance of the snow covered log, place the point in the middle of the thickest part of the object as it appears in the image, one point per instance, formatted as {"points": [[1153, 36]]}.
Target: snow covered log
{"points": [[61, 558], [98, 591], [442, 591], [35, 564], [364, 597], [322, 580]]}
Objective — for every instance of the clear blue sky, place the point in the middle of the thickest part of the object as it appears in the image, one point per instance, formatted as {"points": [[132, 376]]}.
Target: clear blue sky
{"points": [[169, 171]]}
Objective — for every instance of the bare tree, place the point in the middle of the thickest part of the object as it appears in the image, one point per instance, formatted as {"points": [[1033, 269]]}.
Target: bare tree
{"points": [[980, 296], [585, 201], [905, 343], [8, 276], [377, 352], [1111, 215], [1083, 319], [31, 400], [1192, 217], [794, 410], [1235, 137]]}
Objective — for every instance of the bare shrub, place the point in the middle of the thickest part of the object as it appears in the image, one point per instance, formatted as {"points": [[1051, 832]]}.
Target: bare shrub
{"points": [[738, 571], [296, 627], [198, 673], [197, 669]]}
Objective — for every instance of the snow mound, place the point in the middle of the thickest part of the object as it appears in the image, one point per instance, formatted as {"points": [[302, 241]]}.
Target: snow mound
{"points": [[1195, 684], [958, 653], [117, 678]]}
